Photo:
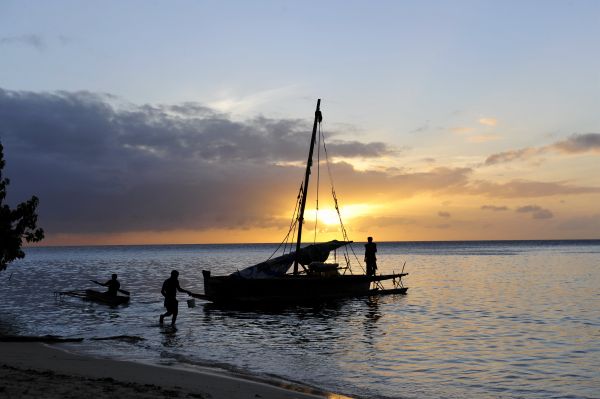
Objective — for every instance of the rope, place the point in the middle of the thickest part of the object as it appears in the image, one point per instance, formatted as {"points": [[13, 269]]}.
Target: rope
{"points": [[293, 224], [337, 208], [295, 215]]}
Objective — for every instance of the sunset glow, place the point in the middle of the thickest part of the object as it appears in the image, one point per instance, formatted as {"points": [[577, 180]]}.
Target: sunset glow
{"points": [[445, 125], [329, 216]]}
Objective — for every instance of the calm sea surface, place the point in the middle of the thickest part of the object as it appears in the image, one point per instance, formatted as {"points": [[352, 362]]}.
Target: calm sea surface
{"points": [[481, 319]]}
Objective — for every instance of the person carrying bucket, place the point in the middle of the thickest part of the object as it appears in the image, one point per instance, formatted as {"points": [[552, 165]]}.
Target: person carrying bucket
{"points": [[169, 291]]}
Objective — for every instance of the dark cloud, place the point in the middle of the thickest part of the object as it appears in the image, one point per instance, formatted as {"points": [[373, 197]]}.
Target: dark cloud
{"points": [[579, 143], [35, 41], [494, 208], [512, 155], [443, 214], [98, 167], [537, 212], [351, 149], [575, 144]]}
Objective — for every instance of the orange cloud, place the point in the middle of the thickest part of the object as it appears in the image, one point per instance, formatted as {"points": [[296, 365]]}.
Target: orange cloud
{"points": [[488, 121], [527, 189], [461, 130]]}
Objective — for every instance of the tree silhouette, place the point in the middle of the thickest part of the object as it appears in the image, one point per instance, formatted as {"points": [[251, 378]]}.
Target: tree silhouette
{"points": [[15, 224]]}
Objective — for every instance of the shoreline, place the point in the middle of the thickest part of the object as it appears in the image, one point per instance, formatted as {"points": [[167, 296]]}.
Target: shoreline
{"points": [[33, 369]]}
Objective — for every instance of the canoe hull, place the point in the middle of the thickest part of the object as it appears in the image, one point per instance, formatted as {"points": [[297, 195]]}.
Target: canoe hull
{"points": [[103, 297]]}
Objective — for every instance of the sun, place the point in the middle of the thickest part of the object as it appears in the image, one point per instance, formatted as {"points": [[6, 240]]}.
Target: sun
{"points": [[330, 217]]}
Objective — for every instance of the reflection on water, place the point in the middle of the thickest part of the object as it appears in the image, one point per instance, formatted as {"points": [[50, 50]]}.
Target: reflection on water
{"points": [[480, 319]]}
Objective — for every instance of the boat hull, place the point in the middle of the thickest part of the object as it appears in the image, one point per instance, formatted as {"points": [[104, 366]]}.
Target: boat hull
{"points": [[103, 297], [286, 289]]}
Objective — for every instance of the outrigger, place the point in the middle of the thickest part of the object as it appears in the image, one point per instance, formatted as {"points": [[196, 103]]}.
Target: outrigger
{"points": [[96, 296]]}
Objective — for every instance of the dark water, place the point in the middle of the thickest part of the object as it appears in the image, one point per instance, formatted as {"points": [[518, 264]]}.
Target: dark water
{"points": [[481, 319]]}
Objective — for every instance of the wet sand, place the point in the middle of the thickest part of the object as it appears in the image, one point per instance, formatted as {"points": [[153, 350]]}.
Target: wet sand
{"points": [[33, 370]]}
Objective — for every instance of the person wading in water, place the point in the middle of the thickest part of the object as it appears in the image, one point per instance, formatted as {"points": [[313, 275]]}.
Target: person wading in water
{"points": [[169, 291]]}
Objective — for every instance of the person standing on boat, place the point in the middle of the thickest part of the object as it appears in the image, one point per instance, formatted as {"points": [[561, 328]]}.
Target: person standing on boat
{"points": [[370, 258], [169, 291]]}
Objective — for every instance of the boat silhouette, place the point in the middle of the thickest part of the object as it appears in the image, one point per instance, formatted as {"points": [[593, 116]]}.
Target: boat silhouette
{"points": [[312, 279]]}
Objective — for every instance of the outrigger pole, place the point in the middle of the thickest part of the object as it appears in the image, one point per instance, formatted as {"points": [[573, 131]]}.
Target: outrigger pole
{"points": [[318, 119]]}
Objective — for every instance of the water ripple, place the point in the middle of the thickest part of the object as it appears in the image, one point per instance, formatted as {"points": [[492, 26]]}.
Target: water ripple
{"points": [[502, 320]]}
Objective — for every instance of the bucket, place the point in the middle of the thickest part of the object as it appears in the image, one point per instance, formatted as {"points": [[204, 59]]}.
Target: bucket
{"points": [[191, 303]]}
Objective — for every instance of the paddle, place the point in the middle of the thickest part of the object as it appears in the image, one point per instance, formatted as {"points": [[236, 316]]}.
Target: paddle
{"points": [[120, 290]]}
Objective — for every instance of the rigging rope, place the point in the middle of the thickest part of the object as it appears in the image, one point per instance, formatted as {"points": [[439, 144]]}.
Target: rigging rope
{"points": [[337, 208], [295, 215], [292, 228]]}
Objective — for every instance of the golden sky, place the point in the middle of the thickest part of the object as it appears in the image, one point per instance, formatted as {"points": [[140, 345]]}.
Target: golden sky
{"points": [[190, 122]]}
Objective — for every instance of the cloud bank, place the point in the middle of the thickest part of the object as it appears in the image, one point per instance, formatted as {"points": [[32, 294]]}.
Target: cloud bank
{"points": [[536, 211], [98, 167], [575, 144], [520, 188]]}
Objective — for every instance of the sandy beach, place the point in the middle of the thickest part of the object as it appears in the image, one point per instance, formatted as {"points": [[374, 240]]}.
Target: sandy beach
{"points": [[34, 370]]}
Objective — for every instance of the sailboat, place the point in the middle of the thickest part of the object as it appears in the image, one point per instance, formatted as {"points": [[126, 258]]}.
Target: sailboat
{"points": [[311, 279]]}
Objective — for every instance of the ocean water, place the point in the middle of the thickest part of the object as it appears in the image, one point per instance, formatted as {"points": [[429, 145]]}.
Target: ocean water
{"points": [[481, 319]]}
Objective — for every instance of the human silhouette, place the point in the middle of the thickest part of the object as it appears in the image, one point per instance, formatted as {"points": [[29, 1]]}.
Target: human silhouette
{"points": [[169, 291], [112, 284], [370, 258]]}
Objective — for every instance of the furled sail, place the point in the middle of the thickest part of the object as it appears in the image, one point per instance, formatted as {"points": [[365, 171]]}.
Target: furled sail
{"points": [[277, 267]]}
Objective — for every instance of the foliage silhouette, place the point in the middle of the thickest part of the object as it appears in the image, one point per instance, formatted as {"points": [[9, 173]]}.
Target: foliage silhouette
{"points": [[16, 224]]}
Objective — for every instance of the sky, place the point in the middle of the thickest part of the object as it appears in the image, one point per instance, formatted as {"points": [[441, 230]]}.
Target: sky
{"points": [[148, 122]]}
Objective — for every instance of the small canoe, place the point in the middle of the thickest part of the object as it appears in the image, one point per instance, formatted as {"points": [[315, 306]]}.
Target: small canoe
{"points": [[103, 297]]}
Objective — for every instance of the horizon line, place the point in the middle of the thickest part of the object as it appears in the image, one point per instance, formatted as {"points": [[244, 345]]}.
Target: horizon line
{"points": [[307, 243]]}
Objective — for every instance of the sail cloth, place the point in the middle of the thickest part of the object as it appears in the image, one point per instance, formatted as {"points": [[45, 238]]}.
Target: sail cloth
{"points": [[277, 267], [273, 267]]}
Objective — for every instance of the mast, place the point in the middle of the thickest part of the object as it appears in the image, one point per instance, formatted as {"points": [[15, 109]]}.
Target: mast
{"points": [[318, 119]]}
